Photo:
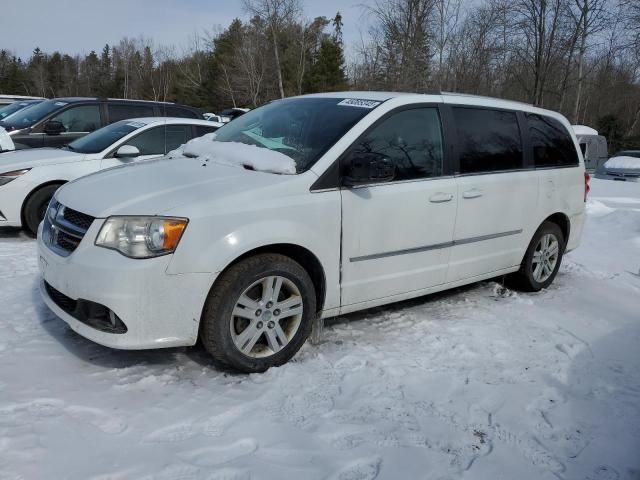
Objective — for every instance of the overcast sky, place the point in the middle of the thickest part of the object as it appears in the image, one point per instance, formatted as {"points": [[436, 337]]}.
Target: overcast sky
{"points": [[79, 26]]}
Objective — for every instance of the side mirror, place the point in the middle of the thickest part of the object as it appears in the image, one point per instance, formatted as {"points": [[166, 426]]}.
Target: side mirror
{"points": [[54, 127], [127, 152], [363, 168]]}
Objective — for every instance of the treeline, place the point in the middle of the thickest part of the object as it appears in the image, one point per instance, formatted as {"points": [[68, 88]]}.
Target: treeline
{"points": [[581, 57]]}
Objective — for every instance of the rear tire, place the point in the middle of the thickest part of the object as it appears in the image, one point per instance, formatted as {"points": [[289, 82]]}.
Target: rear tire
{"points": [[259, 313], [36, 206], [541, 261]]}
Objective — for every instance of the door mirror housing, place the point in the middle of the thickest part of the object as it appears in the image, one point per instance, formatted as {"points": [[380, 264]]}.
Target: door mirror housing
{"points": [[127, 152], [363, 168], [54, 127]]}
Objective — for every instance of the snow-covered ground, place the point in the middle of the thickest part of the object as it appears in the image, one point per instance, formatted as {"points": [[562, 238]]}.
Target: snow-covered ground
{"points": [[479, 383]]}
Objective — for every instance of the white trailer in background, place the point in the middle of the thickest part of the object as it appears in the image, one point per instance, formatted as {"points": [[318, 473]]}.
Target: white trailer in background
{"points": [[593, 145]]}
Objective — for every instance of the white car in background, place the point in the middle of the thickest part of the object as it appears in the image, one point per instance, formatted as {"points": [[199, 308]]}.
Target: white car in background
{"points": [[29, 178], [623, 166]]}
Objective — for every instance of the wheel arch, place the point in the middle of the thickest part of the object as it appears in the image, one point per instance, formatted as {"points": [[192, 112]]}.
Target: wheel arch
{"points": [[33, 191], [305, 257], [562, 220]]}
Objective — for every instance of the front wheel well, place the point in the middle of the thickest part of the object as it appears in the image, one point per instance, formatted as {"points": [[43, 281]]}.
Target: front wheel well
{"points": [[32, 192], [304, 257]]}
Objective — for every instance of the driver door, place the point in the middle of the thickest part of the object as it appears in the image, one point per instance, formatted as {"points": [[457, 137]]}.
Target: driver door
{"points": [[154, 142], [396, 235]]}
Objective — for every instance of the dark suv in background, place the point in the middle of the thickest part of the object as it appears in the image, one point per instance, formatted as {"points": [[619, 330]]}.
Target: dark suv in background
{"points": [[59, 121]]}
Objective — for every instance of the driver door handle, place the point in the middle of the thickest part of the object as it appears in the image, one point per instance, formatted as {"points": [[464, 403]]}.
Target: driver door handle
{"points": [[441, 197], [473, 193]]}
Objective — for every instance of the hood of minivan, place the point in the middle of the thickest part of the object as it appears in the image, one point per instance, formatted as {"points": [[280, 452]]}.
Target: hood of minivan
{"points": [[153, 187], [36, 157]]}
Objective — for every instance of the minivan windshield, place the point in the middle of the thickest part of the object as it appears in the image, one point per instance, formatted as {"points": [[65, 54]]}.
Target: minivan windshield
{"points": [[301, 128], [27, 117], [105, 137]]}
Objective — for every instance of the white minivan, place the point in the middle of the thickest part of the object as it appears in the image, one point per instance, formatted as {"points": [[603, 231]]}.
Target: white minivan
{"points": [[312, 206]]}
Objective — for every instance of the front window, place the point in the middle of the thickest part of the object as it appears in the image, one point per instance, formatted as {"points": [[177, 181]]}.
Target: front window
{"points": [[301, 128], [29, 116], [105, 137]]}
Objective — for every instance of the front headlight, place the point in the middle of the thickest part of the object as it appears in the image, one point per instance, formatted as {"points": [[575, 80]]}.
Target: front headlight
{"points": [[11, 176], [142, 237]]}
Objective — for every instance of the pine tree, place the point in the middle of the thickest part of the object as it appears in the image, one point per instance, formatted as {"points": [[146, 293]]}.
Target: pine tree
{"points": [[327, 73]]}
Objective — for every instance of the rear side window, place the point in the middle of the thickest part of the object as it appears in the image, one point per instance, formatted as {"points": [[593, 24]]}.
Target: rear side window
{"points": [[119, 112], [411, 139], [552, 144], [174, 111], [489, 140]]}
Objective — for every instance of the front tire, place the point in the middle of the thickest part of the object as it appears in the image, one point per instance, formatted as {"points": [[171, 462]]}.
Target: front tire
{"points": [[259, 313], [36, 207], [542, 259]]}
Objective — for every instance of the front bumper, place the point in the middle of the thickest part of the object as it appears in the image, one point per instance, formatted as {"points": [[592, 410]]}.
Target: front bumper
{"points": [[158, 309]]}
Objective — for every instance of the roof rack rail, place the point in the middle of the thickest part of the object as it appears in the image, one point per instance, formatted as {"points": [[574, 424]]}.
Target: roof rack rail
{"points": [[461, 94]]}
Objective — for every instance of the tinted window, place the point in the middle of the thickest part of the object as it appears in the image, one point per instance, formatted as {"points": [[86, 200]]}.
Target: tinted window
{"points": [[173, 111], [202, 130], [488, 140], [123, 111], [150, 142], [83, 118], [552, 144], [411, 139]]}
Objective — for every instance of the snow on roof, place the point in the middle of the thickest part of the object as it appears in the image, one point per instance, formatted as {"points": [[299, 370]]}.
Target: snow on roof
{"points": [[623, 163], [236, 154], [171, 120], [584, 130]]}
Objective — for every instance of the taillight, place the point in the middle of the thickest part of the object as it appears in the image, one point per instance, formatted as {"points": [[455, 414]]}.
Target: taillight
{"points": [[586, 185]]}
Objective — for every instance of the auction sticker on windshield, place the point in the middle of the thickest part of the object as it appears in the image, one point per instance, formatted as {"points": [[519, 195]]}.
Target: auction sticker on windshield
{"points": [[358, 102]]}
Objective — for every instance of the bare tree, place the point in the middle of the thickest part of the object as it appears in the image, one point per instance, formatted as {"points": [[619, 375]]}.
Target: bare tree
{"points": [[276, 14], [446, 16], [539, 24], [590, 17]]}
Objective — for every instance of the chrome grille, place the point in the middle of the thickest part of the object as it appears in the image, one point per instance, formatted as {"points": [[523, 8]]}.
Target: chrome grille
{"points": [[64, 228]]}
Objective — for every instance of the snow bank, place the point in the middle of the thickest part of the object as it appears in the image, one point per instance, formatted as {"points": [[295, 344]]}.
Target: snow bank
{"points": [[623, 163], [584, 130], [237, 154]]}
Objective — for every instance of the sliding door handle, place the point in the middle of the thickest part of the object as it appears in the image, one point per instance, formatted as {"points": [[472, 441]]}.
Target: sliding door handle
{"points": [[473, 193], [441, 197]]}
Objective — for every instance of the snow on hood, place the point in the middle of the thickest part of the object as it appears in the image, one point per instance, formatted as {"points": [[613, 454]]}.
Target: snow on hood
{"points": [[236, 154], [584, 130], [6, 144], [36, 157], [623, 163], [155, 186]]}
